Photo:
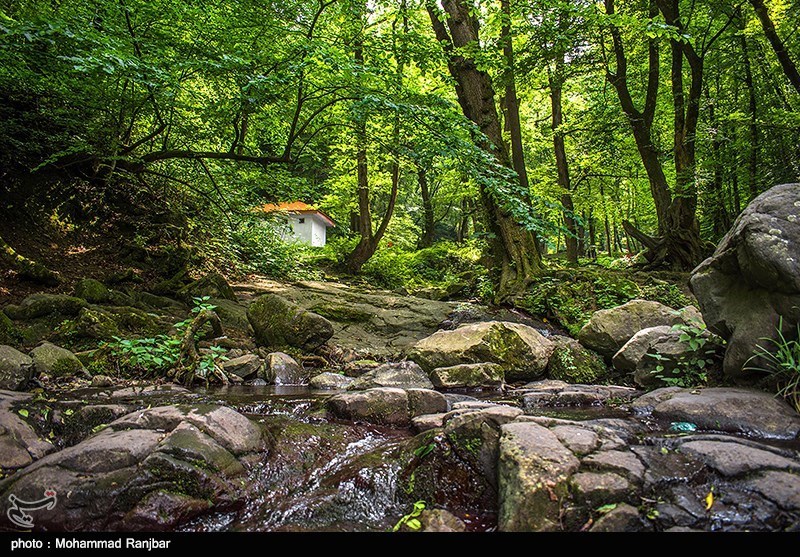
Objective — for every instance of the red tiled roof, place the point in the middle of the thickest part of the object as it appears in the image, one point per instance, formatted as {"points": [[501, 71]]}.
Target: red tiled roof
{"points": [[297, 207]]}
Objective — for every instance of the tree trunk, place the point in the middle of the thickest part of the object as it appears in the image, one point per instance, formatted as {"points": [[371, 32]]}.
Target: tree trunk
{"points": [[427, 208], [463, 224], [752, 166], [788, 65], [26, 268], [514, 249], [555, 79]]}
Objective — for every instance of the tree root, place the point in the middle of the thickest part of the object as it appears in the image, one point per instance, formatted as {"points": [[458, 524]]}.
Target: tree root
{"points": [[27, 268], [189, 357]]}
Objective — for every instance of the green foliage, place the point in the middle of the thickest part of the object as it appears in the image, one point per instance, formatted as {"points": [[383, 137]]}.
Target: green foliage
{"points": [[158, 355], [693, 366], [779, 358], [411, 520]]}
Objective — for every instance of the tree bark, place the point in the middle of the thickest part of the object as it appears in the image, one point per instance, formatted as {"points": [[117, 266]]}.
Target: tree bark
{"points": [[788, 65], [514, 249], [752, 163], [27, 268], [427, 209]]}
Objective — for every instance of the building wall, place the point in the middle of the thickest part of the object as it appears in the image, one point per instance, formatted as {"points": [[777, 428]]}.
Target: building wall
{"points": [[311, 231]]}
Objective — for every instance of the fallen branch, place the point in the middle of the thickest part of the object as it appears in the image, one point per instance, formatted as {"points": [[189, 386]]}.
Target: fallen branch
{"points": [[189, 357], [27, 268]]}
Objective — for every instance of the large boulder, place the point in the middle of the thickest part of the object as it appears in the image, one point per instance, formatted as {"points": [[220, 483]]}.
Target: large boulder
{"points": [[404, 375], [330, 381], [521, 351], [16, 369], [488, 375], [91, 290], [609, 329], [386, 405], [667, 352], [55, 361], [278, 322], [751, 284], [282, 369], [245, 366]]}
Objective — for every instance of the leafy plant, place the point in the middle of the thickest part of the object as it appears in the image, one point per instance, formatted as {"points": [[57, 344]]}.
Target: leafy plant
{"points": [[691, 368], [411, 520], [782, 363]]}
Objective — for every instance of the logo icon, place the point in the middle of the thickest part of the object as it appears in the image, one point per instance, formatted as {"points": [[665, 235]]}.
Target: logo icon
{"points": [[17, 512]]}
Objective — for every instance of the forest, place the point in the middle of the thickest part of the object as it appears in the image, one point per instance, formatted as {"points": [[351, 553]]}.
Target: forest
{"points": [[542, 216]]}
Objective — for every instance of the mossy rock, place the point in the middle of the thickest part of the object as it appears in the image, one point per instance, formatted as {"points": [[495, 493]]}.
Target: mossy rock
{"points": [[125, 275], [213, 285], [91, 290], [8, 332], [134, 320], [572, 363], [342, 313], [117, 298], [38, 305], [55, 361], [278, 322], [158, 302], [95, 323]]}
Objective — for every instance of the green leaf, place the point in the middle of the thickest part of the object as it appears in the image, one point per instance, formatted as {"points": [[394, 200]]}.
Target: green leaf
{"points": [[414, 524], [22, 412], [607, 508]]}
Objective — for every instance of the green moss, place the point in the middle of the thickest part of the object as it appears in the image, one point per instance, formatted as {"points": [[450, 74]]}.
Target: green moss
{"points": [[8, 332], [341, 313], [39, 305], [91, 290], [66, 367], [576, 365]]}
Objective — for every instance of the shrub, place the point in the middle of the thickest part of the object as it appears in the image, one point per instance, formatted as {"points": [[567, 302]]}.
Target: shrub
{"points": [[780, 359]]}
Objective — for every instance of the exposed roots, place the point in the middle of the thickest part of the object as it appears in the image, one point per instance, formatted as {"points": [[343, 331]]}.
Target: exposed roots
{"points": [[189, 360]]}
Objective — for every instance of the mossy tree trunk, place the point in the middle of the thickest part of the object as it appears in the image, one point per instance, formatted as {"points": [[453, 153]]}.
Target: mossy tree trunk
{"points": [[27, 268]]}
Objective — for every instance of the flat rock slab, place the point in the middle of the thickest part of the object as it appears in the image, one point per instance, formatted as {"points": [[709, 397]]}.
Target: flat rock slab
{"points": [[736, 459], [732, 410]]}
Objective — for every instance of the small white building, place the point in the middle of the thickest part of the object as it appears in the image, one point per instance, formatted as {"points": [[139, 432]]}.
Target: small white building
{"points": [[306, 224]]}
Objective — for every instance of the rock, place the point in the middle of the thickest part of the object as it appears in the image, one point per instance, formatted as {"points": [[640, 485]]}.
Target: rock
{"points": [[55, 361], [95, 323], [278, 322], [8, 332], [782, 488], [573, 363], [16, 369], [384, 405], [19, 443], [358, 368], [157, 302], [425, 401], [330, 381], [232, 314], [549, 393], [752, 281], [468, 376], [675, 354], [404, 375], [156, 467], [427, 422], [624, 463], [622, 518], [246, 366], [579, 440], [101, 381], [212, 285], [282, 369], [736, 459], [534, 468], [609, 329], [440, 520], [520, 350], [91, 290], [595, 489], [732, 410], [38, 305], [135, 320]]}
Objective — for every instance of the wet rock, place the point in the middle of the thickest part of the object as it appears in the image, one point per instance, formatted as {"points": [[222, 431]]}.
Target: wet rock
{"points": [[534, 468], [736, 459], [173, 459], [573, 363], [19, 443], [782, 488], [278, 322], [520, 350], [246, 366], [551, 393], [213, 285], [609, 329], [330, 381], [38, 305], [752, 280], [281, 369], [357, 368], [488, 375], [579, 440], [55, 361], [635, 356], [595, 489], [404, 375], [91, 290], [623, 518], [732, 410], [384, 405], [16, 369], [425, 401]]}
